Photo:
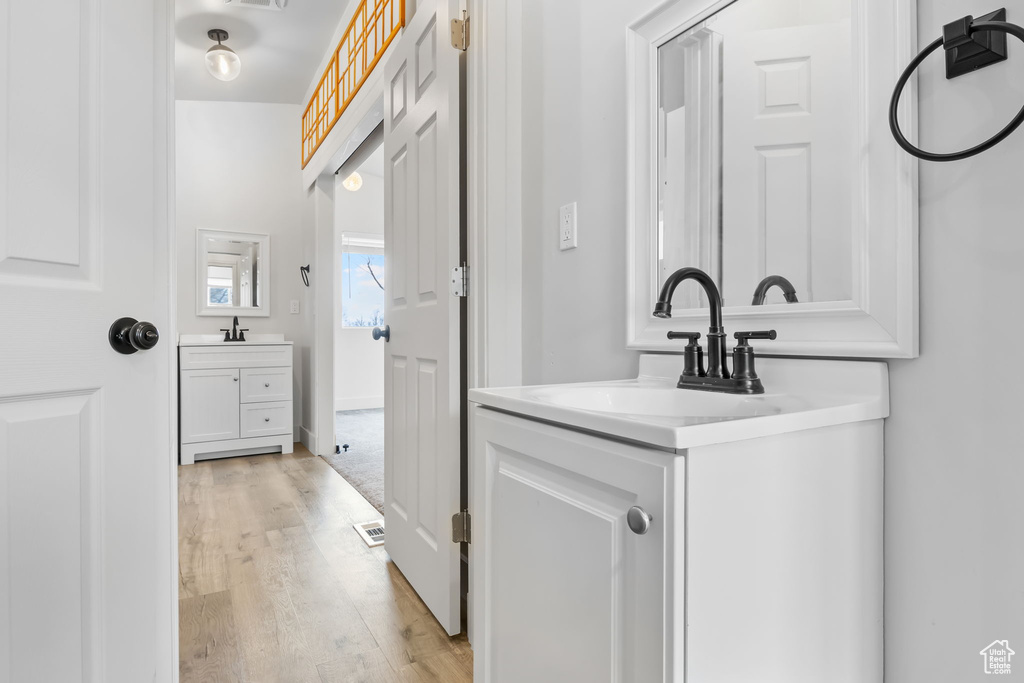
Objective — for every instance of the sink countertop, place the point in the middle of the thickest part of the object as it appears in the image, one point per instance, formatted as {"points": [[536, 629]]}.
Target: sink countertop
{"points": [[218, 340], [799, 394]]}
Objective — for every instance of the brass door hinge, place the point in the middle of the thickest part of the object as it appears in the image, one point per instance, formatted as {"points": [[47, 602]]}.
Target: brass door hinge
{"points": [[460, 32], [461, 527]]}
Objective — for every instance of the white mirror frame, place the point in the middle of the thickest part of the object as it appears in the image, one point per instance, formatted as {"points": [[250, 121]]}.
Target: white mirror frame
{"points": [[881, 320], [202, 262]]}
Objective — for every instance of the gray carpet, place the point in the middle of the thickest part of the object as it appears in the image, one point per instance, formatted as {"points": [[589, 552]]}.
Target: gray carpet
{"points": [[363, 464]]}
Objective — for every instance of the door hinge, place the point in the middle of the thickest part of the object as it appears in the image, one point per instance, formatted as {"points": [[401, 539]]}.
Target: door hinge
{"points": [[461, 527], [460, 280], [460, 32]]}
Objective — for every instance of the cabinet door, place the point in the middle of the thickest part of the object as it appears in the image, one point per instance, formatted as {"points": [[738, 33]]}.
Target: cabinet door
{"points": [[563, 590], [209, 405]]}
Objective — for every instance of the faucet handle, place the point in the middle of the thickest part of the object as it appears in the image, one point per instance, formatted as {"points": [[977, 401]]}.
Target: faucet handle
{"points": [[227, 334], [693, 354], [744, 336], [743, 354]]}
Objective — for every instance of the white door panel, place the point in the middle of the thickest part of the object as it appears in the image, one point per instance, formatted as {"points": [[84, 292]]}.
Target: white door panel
{"points": [[422, 362], [786, 162], [85, 589]]}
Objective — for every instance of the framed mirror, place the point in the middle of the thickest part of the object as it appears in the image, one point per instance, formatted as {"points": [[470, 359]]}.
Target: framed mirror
{"points": [[759, 152], [232, 273]]}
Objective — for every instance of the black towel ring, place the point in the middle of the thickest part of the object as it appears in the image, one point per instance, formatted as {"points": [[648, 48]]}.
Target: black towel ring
{"points": [[955, 35]]}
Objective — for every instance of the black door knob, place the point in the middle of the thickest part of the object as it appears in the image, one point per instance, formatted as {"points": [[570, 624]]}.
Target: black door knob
{"points": [[128, 335], [386, 333]]}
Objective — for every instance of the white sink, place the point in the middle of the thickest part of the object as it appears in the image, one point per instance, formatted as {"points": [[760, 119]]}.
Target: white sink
{"points": [[799, 394], [661, 399], [202, 339]]}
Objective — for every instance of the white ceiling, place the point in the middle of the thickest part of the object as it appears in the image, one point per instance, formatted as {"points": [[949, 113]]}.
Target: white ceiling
{"points": [[279, 50]]}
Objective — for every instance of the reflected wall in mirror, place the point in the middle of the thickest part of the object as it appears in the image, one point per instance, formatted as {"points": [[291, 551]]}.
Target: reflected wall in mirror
{"points": [[755, 159], [759, 152], [233, 273]]}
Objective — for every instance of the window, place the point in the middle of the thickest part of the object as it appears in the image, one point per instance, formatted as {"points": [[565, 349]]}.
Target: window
{"points": [[362, 288], [219, 285]]}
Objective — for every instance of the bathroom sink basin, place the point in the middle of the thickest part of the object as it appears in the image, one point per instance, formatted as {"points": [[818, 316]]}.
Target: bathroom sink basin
{"points": [[799, 394], [660, 399], [215, 339]]}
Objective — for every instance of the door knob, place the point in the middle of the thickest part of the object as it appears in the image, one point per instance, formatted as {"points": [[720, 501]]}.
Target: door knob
{"points": [[128, 335], [639, 521], [386, 333]]}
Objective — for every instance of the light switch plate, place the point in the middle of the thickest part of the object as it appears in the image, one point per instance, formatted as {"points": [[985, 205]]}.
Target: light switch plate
{"points": [[293, 308], [567, 227]]}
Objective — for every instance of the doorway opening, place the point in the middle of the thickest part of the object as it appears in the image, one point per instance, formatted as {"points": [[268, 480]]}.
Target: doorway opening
{"points": [[359, 321]]}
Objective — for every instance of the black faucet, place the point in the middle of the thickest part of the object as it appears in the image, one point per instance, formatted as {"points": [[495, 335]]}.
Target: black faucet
{"points": [[717, 377], [788, 290], [234, 334]]}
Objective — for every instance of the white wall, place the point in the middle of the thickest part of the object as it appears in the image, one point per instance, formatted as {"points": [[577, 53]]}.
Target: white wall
{"points": [[237, 168], [954, 465], [358, 359]]}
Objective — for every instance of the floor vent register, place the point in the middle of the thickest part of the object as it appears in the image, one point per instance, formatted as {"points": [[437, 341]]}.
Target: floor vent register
{"points": [[371, 532]]}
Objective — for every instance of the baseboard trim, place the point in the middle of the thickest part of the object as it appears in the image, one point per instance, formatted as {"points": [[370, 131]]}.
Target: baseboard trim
{"points": [[307, 438], [358, 403]]}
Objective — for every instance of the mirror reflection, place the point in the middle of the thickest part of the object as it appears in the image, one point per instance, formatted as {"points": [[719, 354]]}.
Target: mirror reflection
{"points": [[231, 273], [755, 157]]}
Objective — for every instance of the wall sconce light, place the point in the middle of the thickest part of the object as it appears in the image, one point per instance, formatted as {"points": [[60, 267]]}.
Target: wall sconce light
{"points": [[353, 182], [221, 61]]}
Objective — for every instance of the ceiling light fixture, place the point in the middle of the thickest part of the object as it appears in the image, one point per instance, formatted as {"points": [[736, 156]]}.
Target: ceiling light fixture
{"points": [[221, 61], [353, 182]]}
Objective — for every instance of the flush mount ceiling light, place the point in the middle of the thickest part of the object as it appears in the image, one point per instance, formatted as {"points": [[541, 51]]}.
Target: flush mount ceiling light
{"points": [[353, 182], [221, 61]]}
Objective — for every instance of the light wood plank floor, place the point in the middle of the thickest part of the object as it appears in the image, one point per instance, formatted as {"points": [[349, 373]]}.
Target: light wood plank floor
{"points": [[276, 587]]}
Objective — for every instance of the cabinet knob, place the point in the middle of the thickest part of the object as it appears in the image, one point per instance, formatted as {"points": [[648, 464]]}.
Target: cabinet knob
{"points": [[235, 378], [266, 419], [639, 521], [267, 384]]}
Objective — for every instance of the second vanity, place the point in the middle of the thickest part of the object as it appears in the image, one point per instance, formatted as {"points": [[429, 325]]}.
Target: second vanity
{"points": [[235, 397], [631, 531]]}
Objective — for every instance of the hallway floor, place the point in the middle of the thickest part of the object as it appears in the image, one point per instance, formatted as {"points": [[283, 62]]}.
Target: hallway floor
{"points": [[276, 586]]}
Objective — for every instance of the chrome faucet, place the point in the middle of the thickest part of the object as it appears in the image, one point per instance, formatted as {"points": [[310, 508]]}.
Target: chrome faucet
{"points": [[743, 379], [788, 290]]}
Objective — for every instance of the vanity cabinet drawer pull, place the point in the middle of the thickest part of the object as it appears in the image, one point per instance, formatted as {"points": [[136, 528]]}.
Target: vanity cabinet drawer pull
{"points": [[639, 521], [266, 384], [266, 419]]}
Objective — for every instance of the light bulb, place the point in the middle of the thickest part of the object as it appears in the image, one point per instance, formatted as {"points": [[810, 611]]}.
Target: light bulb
{"points": [[222, 63], [353, 182]]}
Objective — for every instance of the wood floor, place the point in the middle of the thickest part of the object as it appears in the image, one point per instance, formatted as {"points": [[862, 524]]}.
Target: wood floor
{"points": [[276, 587]]}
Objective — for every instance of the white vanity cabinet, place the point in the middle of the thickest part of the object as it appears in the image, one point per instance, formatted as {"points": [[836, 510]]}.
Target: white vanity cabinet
{"points": [[565, 590], [763, 556], [235, 399]]}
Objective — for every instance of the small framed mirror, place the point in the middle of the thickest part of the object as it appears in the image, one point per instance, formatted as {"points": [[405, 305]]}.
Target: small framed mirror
{"points": [[232, 273], [760, 153]]}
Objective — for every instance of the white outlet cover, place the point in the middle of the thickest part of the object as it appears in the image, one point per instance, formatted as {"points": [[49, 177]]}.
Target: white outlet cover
{"points": [[294, 307], [567, 234]]}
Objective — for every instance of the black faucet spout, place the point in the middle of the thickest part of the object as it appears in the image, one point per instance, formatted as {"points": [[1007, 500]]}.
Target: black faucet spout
{"points": [[234, 329], [788, 290], [716, 334]]}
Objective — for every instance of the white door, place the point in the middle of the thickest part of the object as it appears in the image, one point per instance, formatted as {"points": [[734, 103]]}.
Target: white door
{"points": [[787, 165], [422, 406], [86, 591]]}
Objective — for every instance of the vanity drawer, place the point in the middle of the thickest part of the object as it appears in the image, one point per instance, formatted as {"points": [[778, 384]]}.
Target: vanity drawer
{"points": [[265, 419], [261, 385], [240, 355]]}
